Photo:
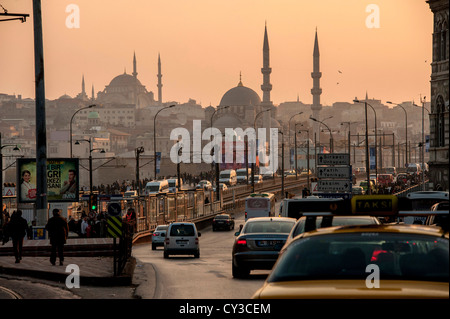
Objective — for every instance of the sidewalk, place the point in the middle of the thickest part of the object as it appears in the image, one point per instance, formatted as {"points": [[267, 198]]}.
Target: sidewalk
{"points": [[92, 256]]}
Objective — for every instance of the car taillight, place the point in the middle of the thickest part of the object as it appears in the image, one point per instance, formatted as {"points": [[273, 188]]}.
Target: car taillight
{"points": [[245, 215], [167, 241], [196, 240], [155, 234], [242, 242]]}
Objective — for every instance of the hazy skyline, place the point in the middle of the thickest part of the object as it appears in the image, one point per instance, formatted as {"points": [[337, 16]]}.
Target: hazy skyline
{"points": [[205, 44]]}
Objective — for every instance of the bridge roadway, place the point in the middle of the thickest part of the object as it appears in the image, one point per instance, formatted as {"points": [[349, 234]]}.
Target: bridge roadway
{"points": [[207, 277]]}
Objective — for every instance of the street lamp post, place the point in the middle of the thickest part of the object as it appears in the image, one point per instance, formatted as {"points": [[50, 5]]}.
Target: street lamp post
{"points": [[283, 195], [90, 158], [289, 143], [83, 108], [407, 155], [138, 151], [423, 137], [16, 148], [349, 123], [212, 150], [256, 151], [369, 190], [331, 136], [154, 134], [307, 154]]}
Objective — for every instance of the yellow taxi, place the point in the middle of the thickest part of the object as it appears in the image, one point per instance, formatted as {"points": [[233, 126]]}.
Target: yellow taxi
{"points": [[362, 262]]}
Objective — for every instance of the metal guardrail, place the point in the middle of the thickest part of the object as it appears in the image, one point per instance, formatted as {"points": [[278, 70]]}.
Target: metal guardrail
{"points": [[191, 206]]}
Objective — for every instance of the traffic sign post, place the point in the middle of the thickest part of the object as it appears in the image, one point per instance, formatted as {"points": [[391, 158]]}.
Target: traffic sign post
{"points": [[334, 185], [333, 159], [334, 174], [343, 172]]}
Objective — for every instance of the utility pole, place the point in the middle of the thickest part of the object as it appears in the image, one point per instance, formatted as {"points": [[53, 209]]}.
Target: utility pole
{"points": [[41, 132]]}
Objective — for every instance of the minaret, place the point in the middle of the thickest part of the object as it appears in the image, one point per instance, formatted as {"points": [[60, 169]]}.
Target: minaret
{"points": [[93, 94], [159, 81], [134, 65], [316, 90], [266, 87], [83, 87]]}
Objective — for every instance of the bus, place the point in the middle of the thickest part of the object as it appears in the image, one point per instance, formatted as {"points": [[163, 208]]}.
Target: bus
{"points": [[423, 201], [157, 187], [259, 205]]}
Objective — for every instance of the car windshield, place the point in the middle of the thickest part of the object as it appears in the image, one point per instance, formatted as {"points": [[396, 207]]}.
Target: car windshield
{"points": [[346, 256], [224, 175], [282, 227], [182, 230], [239, 173], [337, 221], [153, 188]]}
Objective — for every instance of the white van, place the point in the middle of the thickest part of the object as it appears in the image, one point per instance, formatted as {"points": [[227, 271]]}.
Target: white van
{"points": [[182, 239], [413, 169], [157, 187], [242, 175], [228, 177], [173, 184]]}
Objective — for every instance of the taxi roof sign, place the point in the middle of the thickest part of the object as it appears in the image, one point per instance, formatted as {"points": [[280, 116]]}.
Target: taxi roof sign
{"points": [[380, 205]]}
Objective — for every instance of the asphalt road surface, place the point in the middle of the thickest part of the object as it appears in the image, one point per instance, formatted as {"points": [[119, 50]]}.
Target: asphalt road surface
{"points": [[207, 277]]}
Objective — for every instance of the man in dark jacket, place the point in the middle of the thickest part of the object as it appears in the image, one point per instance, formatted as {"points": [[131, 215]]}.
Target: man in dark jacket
{"points": [[16, 228], [58, 229]]}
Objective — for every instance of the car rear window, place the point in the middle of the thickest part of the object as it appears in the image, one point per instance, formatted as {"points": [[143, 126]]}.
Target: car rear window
{"points": [[159, 228], [339, 256], [282, 227], [182, 230]]}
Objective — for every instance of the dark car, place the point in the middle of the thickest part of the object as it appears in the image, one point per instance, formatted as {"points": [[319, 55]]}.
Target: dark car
{"points": [[258, 243], [223, 221]]}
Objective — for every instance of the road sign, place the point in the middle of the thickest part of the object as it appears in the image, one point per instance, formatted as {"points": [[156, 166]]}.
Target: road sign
{"points": [[114, 209], [335, 195], [114, 226], [333, 159], [334, 172], [334, 185]]}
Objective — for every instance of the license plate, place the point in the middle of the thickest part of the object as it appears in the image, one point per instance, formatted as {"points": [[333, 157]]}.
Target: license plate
{"points": [[268, 243], [182, 242]]}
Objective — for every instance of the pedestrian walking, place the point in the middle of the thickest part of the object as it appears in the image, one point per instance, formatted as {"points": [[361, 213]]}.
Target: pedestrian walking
{"points": [[58, 229], [17, 228]]}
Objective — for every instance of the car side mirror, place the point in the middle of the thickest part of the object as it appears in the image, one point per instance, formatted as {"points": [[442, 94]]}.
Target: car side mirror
{"points": [[237, 233], [199, 234]]}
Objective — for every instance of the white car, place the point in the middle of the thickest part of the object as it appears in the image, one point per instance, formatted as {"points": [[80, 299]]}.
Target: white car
{"points": [[222, 186], [159, 235], [182, 239]]}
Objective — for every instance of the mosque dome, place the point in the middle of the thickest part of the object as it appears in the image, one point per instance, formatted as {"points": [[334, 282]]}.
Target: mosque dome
{"points": [[240, 95], [65, 96], [124, 80]]}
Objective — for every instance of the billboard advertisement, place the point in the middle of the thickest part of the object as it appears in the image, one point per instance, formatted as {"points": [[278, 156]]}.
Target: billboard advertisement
{"points": [[62, 180]]}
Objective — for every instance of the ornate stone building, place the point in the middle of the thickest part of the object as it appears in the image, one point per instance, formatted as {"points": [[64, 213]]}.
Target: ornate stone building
{"points": [[439, 123]]}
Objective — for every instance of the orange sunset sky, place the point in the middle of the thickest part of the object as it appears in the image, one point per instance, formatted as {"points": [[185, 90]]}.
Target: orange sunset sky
{"points": [[204, 44]]}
